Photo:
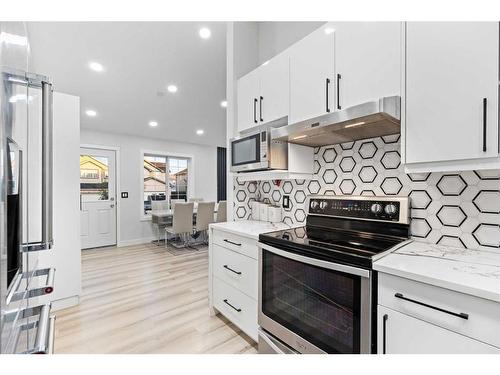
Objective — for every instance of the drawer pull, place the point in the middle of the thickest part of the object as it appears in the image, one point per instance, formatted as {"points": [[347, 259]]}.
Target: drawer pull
{"points": [[231, 242], [227, 303], [459, 315], [230, 269]]}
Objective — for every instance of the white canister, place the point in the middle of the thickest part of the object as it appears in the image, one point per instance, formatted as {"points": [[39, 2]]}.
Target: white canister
{"points": [[255, 210], [274, 214], [263, 212]]}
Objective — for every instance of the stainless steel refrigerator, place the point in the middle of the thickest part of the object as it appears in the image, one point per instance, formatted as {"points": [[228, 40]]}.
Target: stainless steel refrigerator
{"points": [[25, 197]]}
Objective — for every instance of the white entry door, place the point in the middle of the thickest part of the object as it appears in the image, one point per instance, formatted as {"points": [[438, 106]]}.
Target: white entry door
{"points": [[97, 197]]}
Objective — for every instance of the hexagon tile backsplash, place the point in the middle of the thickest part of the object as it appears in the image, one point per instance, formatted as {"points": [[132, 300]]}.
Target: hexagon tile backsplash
{"points": [[457, 209]]}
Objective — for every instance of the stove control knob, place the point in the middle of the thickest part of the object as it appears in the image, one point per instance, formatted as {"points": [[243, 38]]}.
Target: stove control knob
{"points": [[376, 208], [390, 209], [323, 204], [314, 205]]}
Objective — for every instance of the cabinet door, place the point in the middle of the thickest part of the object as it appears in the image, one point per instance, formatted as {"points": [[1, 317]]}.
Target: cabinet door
{"points": [[274, 88], [311, 75], [451, 71], [248, 92], [367, 61], [404, 334]]}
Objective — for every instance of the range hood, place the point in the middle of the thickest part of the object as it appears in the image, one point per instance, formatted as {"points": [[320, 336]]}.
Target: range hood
{"points": [[367, 120]]}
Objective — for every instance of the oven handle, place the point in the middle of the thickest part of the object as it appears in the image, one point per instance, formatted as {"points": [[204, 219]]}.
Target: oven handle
{"points": [[317, 262]]}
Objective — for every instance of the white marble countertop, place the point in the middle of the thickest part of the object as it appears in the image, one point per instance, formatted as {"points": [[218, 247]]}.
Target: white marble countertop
{"points": [[474, 272], [251, 228]]}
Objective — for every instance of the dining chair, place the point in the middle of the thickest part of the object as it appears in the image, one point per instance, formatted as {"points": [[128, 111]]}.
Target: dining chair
{"points": [[222, 211], [159, 222], [204, 216], [182, 224], [173, 202]]}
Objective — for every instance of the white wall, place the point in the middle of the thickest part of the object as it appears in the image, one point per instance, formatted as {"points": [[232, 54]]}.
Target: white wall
{"points": [[133, 228], [275, 37]]}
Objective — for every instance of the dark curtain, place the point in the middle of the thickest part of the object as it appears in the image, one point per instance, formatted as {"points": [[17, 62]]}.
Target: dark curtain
{"points": [[221, 174]]}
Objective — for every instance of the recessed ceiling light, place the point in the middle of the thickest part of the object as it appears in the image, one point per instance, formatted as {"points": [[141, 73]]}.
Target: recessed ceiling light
{"points": [[329, 30], [96, 67], [223, 104], [153, 123], [200, 132], [265, 63], [172, 88], [91, 113], [205, 33]]}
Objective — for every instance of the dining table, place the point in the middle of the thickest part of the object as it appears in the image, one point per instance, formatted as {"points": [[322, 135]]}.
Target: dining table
{"points": [[162, 217]]}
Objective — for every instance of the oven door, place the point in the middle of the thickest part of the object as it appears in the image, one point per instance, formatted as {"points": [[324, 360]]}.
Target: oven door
{"points": [[247, 153], [312, 305]]}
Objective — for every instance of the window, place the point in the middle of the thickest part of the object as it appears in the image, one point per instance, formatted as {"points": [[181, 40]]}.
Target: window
{"points": [[93, 178], [157, 170]]}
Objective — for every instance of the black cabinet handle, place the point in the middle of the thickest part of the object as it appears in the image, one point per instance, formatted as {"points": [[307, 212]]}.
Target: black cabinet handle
{"points": [[327, 90], [231, 242], [338, 91], [227, 303], [384, 333], [255, 110], [260, 108], [230, 269], [459, 315], [485, 107]]}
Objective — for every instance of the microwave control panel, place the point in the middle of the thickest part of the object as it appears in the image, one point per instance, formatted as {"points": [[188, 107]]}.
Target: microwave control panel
{"points": [[263, 146]]}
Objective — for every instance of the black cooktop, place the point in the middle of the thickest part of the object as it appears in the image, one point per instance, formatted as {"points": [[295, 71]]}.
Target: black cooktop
{"points": [[341, 240]]}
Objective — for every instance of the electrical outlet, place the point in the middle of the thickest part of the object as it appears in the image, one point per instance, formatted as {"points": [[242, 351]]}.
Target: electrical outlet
{"points": [[286, 201], [124, 194]]}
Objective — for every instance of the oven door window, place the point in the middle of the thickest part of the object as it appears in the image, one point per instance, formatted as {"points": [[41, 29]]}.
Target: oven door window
{"points": [[320, 305], [246, 150]]}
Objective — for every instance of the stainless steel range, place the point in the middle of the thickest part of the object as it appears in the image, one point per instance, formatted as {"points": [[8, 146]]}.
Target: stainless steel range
{"points": [[317, 288]]}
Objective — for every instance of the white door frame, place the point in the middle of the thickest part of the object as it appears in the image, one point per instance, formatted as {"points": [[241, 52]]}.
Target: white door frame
{"points": [[116, 149]]}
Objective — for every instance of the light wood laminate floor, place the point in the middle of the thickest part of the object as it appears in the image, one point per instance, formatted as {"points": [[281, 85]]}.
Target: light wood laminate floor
{"points": [[141, 299]]}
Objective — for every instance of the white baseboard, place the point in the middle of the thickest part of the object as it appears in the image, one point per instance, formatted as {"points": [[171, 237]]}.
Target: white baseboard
{"points": [[64, 303], [136, 241]]}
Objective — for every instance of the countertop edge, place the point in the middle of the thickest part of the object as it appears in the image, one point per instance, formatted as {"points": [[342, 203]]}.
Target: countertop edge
{"points": [[475, 292]]}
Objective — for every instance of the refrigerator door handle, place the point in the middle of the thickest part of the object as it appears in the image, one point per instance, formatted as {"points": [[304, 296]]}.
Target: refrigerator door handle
{"points": [[47, 133]]}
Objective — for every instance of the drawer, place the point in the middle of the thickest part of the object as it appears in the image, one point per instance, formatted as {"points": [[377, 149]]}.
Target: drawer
{"points": [[236, 306], [235, 269], [402, 334], [243, 245], [438, 305]]}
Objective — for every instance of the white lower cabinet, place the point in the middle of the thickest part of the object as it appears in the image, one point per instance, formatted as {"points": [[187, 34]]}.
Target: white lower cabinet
{"points": [[233, 279], [414, 317], [399, 333]]}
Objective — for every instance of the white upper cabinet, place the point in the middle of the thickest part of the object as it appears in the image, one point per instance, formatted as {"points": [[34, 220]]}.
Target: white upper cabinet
{"points": [[312, 75], [263, 93], [451, 94], [274, 88], [367, 61], [247, 94]]}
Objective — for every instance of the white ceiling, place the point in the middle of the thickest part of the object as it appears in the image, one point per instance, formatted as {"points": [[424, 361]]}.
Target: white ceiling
{"points": [[140, 60]]}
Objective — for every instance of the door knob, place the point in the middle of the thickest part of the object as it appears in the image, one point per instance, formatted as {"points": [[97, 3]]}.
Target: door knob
{"points": [[112, 205]]}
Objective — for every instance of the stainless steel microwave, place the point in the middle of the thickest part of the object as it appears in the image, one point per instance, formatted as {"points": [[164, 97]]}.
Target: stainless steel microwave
{"points": [[257, 151]]}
